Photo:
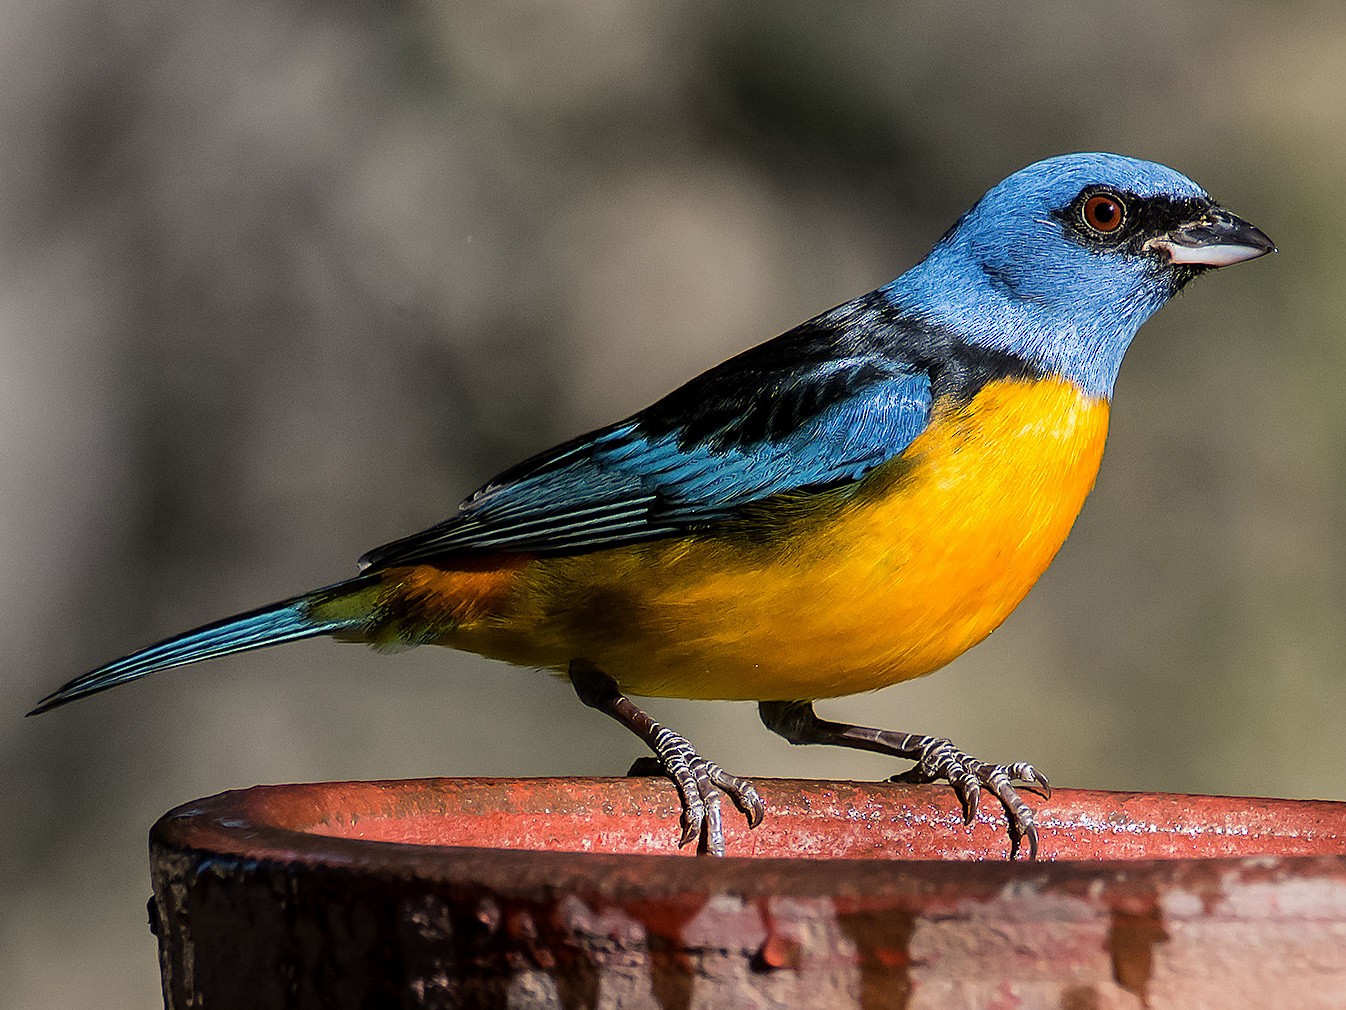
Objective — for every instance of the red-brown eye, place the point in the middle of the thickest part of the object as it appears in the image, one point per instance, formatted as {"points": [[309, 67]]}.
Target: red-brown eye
{"points": [[1104, 213]]}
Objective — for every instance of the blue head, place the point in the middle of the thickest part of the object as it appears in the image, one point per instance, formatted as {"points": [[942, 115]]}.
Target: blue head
{"points": [[1063, 261]]}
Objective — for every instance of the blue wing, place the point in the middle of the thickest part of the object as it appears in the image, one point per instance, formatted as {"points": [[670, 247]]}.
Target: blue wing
{"points": [[817, 407]]}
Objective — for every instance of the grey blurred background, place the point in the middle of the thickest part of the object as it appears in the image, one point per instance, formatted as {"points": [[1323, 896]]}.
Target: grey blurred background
{"points": [[280, 282]]}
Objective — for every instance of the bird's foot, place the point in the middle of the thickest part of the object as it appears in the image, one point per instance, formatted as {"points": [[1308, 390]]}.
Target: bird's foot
{"points": [[699, 783], [940, 759]]}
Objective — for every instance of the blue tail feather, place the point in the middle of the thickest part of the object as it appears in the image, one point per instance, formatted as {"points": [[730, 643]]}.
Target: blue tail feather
{"points": [[287, 621]]}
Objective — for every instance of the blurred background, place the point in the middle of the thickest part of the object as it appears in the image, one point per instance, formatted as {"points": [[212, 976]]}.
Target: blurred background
{"points": [[280, 282]]}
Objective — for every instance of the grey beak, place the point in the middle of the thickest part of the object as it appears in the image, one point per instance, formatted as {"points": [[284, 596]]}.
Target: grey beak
{"points": [[1216, 239]]}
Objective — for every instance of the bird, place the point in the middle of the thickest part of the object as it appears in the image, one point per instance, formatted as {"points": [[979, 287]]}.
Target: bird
{"points": [[852, 504]]}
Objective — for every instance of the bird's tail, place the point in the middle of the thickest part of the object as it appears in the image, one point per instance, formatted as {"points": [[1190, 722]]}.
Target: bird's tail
{"points": [[344, 607]]}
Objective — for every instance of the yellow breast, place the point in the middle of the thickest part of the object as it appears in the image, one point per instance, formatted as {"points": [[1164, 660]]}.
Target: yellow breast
{"points": [[888, 580]]}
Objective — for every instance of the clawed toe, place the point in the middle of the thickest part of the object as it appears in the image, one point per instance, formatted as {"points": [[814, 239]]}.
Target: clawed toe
{"points": [[700, 784], [968, 776], [701, 817], [742, 792], [1030, 778]]}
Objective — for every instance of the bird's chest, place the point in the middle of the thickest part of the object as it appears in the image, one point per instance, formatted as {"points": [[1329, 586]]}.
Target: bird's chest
{"points": [[939, 546], [990, 483]]}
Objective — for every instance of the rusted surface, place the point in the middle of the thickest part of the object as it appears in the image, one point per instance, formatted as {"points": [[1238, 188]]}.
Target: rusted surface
{"points": [[569, 893]]}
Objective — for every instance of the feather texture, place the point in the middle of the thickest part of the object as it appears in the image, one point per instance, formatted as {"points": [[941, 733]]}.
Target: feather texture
{"points": [[820, 406]]}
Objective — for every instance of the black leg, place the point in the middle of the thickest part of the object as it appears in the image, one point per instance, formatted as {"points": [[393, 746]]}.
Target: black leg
{"points": [[935, 757], [699, 781]]}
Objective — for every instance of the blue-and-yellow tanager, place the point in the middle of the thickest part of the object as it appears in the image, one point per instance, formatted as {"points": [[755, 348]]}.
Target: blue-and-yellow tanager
{"points": [[852, 504]]}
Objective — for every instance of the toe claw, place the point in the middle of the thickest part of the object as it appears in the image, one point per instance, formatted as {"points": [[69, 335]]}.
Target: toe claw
{"points": [[1030, 778], [693, 813], [1018, 834], [1041, 786], [970, 795], [749, 804], [691, 829]]}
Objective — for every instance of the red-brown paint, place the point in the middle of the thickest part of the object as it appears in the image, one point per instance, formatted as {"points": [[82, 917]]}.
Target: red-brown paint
{"points": [[568, 893]]}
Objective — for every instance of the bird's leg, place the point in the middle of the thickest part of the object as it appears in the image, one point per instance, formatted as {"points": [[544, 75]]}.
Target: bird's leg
{"points": [[935, 757], [699, 782]]}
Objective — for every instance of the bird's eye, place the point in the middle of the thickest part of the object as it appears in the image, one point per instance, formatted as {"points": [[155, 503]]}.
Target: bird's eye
{"points": [[1104, 213]]}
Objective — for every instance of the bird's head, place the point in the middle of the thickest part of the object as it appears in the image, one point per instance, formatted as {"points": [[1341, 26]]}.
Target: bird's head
{"points": [[1063, 261]]}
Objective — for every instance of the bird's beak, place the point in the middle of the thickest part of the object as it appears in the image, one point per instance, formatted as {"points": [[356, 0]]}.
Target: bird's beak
{"points": [[1215, 239]]}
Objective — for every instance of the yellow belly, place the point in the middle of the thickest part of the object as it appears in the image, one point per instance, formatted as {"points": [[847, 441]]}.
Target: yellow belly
{"points": [[886, 581]]}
